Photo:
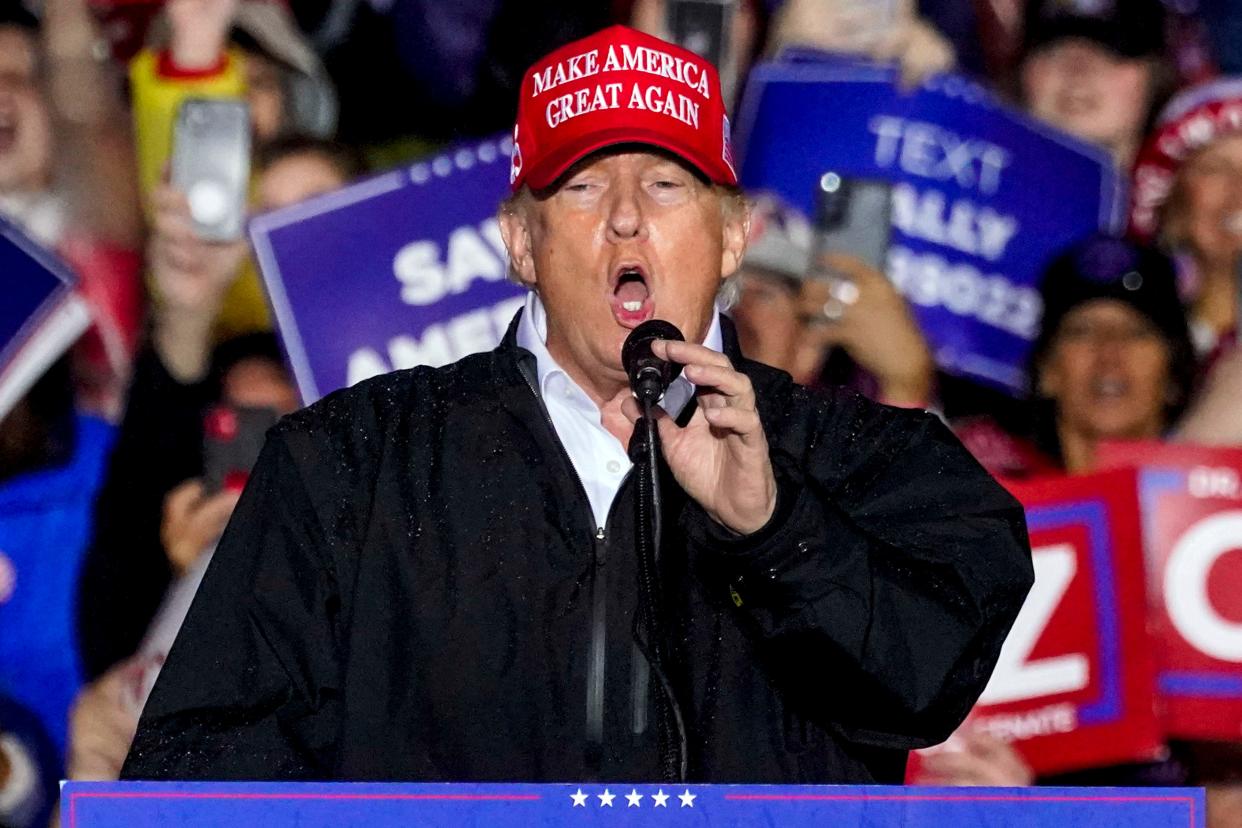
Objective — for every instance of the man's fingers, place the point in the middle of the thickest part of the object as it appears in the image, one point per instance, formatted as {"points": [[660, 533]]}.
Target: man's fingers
{"points": [[631, 409], [688, 353], [743, 422], [724, 380]]}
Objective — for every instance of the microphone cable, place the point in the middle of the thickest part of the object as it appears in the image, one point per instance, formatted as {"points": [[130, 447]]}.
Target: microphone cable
{"points": [[673, 743]]}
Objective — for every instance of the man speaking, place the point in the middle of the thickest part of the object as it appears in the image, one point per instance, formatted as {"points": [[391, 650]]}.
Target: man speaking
{"points": [[440, 574]]}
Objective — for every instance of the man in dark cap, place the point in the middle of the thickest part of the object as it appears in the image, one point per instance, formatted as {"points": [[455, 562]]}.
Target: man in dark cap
{"points": [[433, 575], [1095, 69]]}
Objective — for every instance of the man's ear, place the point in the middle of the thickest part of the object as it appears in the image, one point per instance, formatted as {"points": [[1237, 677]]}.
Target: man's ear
{"points": [[735, 230], [515, 231]]}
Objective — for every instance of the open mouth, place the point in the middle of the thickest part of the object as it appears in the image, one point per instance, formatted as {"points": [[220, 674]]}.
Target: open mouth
{"points": [[1110, 389], [631, 298]]}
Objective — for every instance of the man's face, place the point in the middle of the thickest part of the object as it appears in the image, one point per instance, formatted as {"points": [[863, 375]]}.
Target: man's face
{"points": [[25, 128], [625, 237], [1088, 91], [1108, 372]]}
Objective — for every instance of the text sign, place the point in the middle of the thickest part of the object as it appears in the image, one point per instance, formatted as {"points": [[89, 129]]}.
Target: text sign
{"points": [[317, 805], [1073, 687], [983, 196], [406, 268], [1192, 508]]}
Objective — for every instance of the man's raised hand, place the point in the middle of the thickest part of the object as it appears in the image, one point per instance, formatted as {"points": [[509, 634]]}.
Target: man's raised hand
{"points": [[721, 457]]}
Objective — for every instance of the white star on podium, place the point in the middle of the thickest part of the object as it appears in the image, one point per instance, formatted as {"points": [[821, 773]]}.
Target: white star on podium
{"points": [[661, 798], [633, 797], [605, 799], [687, 799], [579, 798]]}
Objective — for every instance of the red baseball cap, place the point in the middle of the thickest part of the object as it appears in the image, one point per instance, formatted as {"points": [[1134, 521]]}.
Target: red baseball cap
{"points": [[619, 86]]}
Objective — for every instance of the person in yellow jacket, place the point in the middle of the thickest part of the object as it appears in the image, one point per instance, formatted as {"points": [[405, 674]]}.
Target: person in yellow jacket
{"points": [[250, 49]]}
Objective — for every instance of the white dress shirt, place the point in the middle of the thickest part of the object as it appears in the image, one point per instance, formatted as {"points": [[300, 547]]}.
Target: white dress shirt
{"points": [[599, 458]]}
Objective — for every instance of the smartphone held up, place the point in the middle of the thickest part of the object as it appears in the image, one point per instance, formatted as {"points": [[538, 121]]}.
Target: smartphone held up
{"points": [[211, 164], [853, 216]]}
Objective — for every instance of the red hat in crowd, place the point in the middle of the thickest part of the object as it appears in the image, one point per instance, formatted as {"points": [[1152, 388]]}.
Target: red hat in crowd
{"points": [[619, 86], [1193, 120]]}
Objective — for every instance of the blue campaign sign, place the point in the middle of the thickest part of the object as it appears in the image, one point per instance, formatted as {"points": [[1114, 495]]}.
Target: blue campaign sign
{"points": [[405, 268], [316, 805], [40, 316], [983, 196]]}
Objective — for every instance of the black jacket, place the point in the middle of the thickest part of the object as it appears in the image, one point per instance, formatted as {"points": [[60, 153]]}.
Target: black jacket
{"points": [[408, 587]]}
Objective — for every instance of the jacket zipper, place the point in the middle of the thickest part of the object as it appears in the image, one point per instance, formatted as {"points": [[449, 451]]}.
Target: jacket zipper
{"points": [[598, 652], [598, 649]]}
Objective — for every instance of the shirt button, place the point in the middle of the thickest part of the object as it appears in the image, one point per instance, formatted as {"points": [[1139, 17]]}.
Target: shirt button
{"points": [[614, 467]]}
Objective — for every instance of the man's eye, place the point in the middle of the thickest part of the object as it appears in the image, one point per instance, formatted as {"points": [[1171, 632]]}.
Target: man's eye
{"points": [[666, 184]]}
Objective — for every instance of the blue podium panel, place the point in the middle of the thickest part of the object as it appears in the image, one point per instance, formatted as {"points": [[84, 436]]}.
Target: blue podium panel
{"points": [[315, 805]]}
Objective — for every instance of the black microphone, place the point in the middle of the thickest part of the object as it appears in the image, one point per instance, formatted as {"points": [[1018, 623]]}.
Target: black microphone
{"points": [[649, 375]]}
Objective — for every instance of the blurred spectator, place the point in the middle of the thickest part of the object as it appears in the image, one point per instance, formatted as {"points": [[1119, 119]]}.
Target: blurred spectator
{"points": [[66, 177], [1095, 69], [51, 464], [858, 28], [103, 721], [155, 519], [269, 63], [29, 768], [1188, 195], [746, 29], [296, 167], [767, 312], [1215, 418], [1113, 358], [457, 65], [797, 316]]}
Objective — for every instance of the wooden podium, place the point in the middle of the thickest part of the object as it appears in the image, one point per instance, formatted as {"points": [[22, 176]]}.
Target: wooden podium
{"points": [[333, 805]]}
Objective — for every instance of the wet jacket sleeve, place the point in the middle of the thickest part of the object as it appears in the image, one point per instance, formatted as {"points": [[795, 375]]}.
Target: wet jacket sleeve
{"points": [[250, 688], [883, 587]]}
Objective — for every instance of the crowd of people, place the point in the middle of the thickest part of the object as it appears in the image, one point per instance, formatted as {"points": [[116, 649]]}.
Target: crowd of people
{"points": [[106, 523]]}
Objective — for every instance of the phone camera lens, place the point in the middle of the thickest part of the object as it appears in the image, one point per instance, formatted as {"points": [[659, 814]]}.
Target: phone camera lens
{"points": [[830, 182]]}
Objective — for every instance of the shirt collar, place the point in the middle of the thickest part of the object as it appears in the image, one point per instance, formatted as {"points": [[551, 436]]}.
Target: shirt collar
{"points": [[532, 334]]}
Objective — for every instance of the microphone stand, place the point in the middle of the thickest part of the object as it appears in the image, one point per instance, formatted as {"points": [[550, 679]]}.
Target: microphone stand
{"points": [[674, 753]]}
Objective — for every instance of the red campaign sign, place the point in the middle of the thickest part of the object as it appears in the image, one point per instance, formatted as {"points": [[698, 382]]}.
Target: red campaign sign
{"points": [[1191, 498], [1074, 685]]}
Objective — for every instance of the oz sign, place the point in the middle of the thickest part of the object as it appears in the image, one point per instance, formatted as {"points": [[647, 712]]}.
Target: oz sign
{"points": [[1073, 685], [1192, 508]]}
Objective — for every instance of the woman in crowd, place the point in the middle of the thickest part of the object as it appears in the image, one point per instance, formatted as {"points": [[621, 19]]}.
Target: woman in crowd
{"points": [[1187, 196]]}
